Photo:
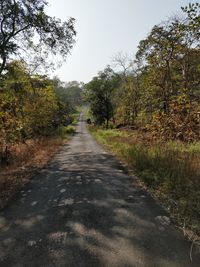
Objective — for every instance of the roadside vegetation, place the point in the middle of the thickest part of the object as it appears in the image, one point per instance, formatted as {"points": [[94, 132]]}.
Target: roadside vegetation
{"points": [[147, 111], [37, 113], [169, 170]]}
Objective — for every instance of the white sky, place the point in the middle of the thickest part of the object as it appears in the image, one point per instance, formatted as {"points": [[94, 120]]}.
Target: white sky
{"points": [[106, 27]]}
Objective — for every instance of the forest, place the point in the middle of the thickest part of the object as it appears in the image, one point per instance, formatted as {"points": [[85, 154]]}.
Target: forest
{"points": [[147, 111], [160, 87]]}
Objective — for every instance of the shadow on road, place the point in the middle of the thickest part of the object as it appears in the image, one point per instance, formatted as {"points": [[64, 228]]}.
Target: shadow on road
{"points": [[78, 212]]}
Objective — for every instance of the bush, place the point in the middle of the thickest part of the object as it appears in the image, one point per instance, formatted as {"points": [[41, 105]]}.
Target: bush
{"points": [[65, 131], [70, 130]]}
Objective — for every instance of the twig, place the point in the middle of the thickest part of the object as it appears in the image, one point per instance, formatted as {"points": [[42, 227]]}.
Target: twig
{"points": [[191, 248]]}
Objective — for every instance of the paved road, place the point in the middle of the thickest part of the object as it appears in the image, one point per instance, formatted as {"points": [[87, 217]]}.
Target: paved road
{"points": [[84, 210]]}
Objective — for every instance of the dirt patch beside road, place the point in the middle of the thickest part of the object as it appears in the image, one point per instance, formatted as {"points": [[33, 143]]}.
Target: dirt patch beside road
{"points": [[27, 159]]}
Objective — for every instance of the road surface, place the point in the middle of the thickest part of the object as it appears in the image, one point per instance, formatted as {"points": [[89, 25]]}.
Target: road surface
{"points": [[83, 210]]}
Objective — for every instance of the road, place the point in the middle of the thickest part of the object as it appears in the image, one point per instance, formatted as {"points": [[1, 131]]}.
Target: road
{"points": [[85, 210]]}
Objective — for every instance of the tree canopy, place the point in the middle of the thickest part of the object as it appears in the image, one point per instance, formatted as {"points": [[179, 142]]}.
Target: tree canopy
{"points": [[25, 27], [99, 94]]}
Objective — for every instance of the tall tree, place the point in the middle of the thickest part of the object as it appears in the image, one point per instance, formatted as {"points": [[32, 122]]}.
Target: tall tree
{"points": [[127, 95], [100, 94]]}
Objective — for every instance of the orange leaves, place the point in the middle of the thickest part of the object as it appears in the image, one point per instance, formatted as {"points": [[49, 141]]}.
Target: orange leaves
{"points": [[181, 123]]}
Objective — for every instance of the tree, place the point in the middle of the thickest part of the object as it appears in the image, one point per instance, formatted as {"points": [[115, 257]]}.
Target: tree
{"points": [[100, 93], [24, 25], [29, 107], [70, 95], [159, 90], [73, 92], [127, 95], [170, 76], [168, 58], [193, 18]]}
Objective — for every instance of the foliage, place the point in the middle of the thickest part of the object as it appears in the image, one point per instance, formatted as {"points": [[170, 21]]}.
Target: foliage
{"points": [[193, 14], [157, 106], [29, 107], [69, 130], [65, 131], [181, 123], [70, 94], [26, 27], [99, 93], [159, 90], [170, 170]]}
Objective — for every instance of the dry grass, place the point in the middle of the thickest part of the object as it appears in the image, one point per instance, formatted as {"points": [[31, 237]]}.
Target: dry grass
{"points": [[26, 159], [169, 170]]}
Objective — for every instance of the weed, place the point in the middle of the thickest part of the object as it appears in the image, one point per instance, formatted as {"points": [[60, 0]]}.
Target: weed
{"points": [[65, 131]]}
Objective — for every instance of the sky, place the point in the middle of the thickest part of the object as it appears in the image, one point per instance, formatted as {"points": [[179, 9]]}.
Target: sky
{"points": [[105, 28]]}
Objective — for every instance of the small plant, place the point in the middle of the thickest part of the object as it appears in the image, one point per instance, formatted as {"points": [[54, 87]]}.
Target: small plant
{"points": [[70, 130], [65, 131]]}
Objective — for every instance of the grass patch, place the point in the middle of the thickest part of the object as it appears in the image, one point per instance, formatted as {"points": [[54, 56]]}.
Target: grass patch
{"points": [[66, 131], [173, 175], [75, 117], [170, 170]]}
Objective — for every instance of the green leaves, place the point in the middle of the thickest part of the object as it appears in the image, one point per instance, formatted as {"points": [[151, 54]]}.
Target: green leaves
{"points": [[193, 18], [24, 23], [160, 90], [27, 105], [100, 94]]}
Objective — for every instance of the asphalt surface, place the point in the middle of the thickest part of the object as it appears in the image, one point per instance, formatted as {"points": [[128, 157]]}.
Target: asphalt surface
{"points": [[84, 210]]}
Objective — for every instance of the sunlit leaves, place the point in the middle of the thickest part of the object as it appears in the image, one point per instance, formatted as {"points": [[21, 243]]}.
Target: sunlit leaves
{"points": [[25, 27], [28, 105]]}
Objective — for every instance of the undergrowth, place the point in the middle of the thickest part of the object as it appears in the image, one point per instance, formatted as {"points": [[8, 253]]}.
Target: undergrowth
{"points": [[170, 170], [26, 158]]}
